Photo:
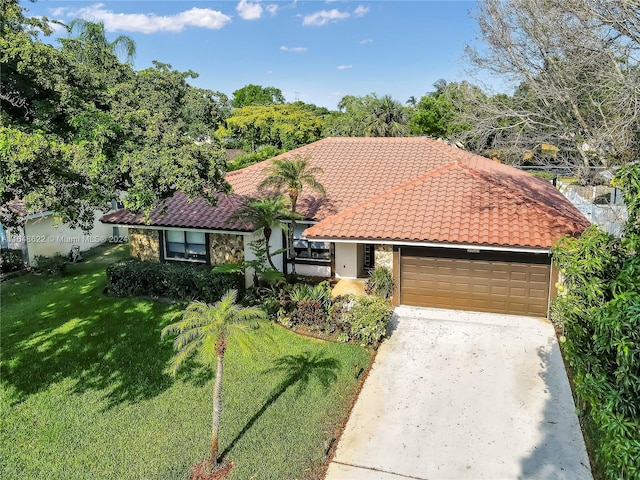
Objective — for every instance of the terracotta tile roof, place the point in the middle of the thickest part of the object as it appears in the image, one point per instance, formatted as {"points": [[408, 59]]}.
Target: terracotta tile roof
{"points": [[18, 208], [178, 211], [405, 189], [453, 204], [353, 170]]}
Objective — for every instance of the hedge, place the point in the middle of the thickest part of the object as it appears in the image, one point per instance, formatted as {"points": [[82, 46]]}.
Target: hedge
{"points": [[134, 278]]}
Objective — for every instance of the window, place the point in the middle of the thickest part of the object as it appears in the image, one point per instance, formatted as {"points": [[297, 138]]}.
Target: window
{"points": [[310, 249], [180, 245]]}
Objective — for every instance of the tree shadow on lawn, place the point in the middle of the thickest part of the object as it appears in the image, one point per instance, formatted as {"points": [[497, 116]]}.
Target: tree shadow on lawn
{"points": [[101, 343], [297, 370]]}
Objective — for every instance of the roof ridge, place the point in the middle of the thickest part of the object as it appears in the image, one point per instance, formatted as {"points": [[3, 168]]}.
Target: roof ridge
{"points": [[535, 202], [386, 193]]}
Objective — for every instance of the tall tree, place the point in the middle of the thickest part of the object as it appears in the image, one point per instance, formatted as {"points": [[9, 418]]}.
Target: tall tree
{"points": [[93, 37], [264, 214], [285, 126], [575, 67], [368, 116], [207, 330], [387, 118], [73, 135], [256, 95], [437, 114], [291, 175]]}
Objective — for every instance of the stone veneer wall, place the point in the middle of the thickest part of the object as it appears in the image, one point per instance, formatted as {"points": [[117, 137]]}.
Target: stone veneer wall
{"points": [[144, 244], [224, 248], [384, 256]]}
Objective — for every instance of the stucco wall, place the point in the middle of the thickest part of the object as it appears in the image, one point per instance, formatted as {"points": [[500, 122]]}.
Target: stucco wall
{"points": [[275, 244], [384, 256], [348, 260], [47, 237], [225, 248], [144, 244]]}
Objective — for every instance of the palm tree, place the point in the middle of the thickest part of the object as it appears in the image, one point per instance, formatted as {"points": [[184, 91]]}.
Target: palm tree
{"points": [[387, 118], [93, 36], [411, 101], [292, 175], [206, 329], [265, 214]]}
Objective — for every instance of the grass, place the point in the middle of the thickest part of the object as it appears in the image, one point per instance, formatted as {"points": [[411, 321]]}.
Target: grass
{"points": [[83, 393]]}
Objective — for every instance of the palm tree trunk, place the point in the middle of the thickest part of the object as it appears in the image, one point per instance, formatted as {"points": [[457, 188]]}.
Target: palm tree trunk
{"points": [[267, 237], [217, 402], [292, 251]]}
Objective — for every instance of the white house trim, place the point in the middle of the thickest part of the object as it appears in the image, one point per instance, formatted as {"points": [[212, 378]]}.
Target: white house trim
{"points": [[436, 245]]}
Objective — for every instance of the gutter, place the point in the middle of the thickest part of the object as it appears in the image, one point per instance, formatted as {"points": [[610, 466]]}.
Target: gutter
{"points": [[459, 246]]}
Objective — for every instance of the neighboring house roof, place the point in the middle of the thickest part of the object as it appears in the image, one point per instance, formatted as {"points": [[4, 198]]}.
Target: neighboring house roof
{"points": [[18, 208], [405, 189]]}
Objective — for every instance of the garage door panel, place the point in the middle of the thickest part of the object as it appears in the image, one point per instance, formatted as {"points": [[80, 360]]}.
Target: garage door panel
{"points": [[489, 286]]}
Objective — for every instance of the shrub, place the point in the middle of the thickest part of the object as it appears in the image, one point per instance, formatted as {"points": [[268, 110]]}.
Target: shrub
{"points": [[310, 313], [380, 282], [337, 320], [11, 260], [311, 304], [54, 265], [271, 298], [368, 318], [599, 312], [134, 278]]}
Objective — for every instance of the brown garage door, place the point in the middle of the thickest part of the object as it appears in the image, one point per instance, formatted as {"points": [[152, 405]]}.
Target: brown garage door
{"points": [[485, 285]]}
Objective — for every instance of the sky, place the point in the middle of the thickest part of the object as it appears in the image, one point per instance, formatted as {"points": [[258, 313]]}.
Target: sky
{"points": [[313, 51]]}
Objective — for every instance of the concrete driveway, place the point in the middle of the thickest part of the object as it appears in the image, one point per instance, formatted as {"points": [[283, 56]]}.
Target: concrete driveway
{"points": [[464, 395]]}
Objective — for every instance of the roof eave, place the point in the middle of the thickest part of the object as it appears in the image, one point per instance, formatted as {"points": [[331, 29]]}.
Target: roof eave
{"points": [[419, 243]]}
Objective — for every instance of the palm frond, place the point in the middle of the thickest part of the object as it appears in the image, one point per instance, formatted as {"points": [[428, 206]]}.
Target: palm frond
{"points": [[180, 358], [186, 337], [202, 326]]}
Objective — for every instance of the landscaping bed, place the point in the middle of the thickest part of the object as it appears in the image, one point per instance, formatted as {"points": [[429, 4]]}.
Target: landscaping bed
{"points": [[83, 391]]}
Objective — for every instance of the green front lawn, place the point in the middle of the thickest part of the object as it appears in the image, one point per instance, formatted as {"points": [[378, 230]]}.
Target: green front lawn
{"points": [[83, 393]]}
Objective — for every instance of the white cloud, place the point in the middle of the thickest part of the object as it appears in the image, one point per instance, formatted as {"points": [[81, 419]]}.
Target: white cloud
{"points": [[365, 41], [272, 9], [323, 17], [360, 11], [249, 11], [150, 23], [344, 67], [284, 48], [59, 11]]}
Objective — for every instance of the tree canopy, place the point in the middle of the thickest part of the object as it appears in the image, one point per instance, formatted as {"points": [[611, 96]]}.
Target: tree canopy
{"points": [[368, 116], [437, 114], [79, 128], [285, 126], [576, 70], [256, 95]]}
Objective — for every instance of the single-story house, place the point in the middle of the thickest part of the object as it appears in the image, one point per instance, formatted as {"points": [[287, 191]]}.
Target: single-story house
{"points": [[43, 234], [457, 230]]}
